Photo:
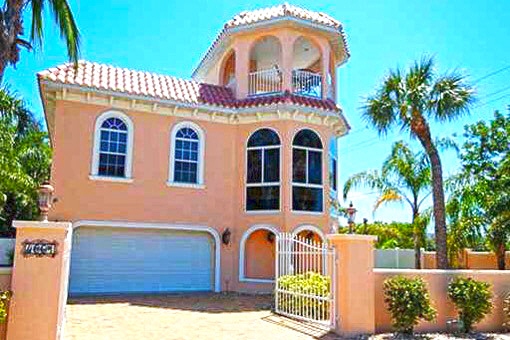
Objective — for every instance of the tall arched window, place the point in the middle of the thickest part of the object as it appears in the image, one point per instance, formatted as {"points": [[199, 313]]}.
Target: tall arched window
{"points": [[263, 171], [186, 155], [113, 142], [307, 186]]}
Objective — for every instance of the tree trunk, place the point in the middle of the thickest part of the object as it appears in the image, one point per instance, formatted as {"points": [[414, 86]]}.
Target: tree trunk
{"points": [[500, 255], [422, 130], [416, 240]]}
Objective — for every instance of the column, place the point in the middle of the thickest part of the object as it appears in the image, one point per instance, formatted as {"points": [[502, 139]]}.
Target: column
{"points": [[355, 294], [39, 280]]}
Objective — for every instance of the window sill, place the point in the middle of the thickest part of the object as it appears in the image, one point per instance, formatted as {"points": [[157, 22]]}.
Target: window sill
{"points": [[262, 212], [244, 279], [185, 185], [304, 212], [110, 179]]}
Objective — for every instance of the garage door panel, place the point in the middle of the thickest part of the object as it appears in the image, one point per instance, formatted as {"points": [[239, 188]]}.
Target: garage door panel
{"points": [[109, 260]]}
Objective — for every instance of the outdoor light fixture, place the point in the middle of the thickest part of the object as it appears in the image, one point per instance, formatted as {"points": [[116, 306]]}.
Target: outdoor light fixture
{"points": [[351, 215], [270, 237], [45, 200], [225, 237]]}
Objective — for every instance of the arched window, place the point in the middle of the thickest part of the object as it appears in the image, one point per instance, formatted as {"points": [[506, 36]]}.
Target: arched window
{"points": [[113, 142], [307, 186], [186, 155], [333, 166], [263, 171]]}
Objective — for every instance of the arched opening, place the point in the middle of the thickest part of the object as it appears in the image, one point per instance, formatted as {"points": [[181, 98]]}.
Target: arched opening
{"points": [[306, 68], [265, 70], [228, 70], [257, 254]]}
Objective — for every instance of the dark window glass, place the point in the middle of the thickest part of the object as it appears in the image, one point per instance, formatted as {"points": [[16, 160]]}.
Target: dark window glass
{"points": [[299, 166], [306, 199], [263, 198], [254, 166], [333, 174], [307, 138], [272, 165], [314, 167], [263, 137]]}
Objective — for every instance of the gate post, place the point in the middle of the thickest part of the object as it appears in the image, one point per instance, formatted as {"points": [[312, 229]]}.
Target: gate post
{"points": [[355, 293], [39, 280]]}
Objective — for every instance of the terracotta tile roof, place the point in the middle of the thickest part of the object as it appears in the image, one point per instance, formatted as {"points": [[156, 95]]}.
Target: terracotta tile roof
{"points": [[284, 10], [116, 79]]}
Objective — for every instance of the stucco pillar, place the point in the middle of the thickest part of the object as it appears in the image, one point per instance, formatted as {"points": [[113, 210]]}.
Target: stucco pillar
{"points": [[326, 51], [242, 50], [355, 294], [287, 40], [39, 280]]}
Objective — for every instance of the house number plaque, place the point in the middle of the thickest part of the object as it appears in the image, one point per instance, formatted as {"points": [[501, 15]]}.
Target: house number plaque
{"points": [[39, 248]]}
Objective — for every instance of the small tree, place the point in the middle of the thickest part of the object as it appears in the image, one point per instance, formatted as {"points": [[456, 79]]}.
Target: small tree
{"points": [[472, 299], [408, 302]]}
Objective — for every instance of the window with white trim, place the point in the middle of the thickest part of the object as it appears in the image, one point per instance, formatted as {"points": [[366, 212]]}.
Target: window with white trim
{"points": [[307, 186], [186, 155], [333, 166], [263, 171], [113, 140]]}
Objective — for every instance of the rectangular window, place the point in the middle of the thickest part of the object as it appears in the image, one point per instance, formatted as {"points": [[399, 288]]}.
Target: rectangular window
{"points": [[299, 165], [306, 199], [314, 167], [263, 179], [333, 174], [263, 198]]}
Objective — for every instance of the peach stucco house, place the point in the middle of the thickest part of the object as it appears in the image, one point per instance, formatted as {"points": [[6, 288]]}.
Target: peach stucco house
{"points": [[181, 185]]}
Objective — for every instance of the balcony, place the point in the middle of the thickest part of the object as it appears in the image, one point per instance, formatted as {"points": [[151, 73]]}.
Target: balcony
{"points": [[270, 81]]}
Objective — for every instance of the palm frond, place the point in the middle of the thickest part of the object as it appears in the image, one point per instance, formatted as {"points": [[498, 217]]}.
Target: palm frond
{"points": [[370, 179], [388, 196], [451, 97], [68, 29], [36, 32]]}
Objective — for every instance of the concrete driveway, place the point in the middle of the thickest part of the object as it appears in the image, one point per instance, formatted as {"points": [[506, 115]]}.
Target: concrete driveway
{"points": [[182, 316]]}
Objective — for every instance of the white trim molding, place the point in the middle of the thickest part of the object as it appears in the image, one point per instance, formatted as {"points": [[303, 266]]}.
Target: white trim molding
{"points": [[309, 227], [242, 251], [166, 226], [94, 171], [201, 153]]}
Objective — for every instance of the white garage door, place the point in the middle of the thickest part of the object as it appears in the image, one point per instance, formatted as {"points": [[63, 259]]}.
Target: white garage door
{"points": [[115, 260]]}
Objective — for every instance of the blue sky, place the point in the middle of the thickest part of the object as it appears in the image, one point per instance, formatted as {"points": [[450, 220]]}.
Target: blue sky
{"points": [[170, 37]]}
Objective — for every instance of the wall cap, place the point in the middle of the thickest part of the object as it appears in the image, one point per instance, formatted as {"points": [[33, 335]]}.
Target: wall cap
{"points": [[42, 225], [440, 271], [351, 237]]}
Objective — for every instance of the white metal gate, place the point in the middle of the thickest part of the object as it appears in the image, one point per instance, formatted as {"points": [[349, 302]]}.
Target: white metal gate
{"points": [[305, 279]]}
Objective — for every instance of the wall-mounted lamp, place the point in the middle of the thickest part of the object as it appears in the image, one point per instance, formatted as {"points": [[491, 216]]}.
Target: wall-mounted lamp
{"points": [[225, 237], [270, 237]]}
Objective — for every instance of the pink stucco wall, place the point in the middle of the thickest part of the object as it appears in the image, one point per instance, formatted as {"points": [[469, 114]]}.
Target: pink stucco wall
{"points": [[219, 205], [469, 260], [437, 282]]}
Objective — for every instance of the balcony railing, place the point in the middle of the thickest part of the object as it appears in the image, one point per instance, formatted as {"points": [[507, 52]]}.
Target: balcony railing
{"points": [[265, 82], [307, 83]]}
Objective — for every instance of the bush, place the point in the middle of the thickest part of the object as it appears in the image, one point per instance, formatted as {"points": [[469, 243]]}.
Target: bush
{"points": [[506, 311], [5, 296], [472, 299], [408, 302], [293, 291]]}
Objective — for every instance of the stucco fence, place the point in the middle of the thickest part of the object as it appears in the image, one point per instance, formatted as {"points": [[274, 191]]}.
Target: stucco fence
{"points": [[404, 259], [437, 283]]}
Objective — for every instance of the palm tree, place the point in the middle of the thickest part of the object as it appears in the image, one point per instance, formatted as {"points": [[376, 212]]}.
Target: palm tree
{"points": [[11, 28], [410, 100], [404, 177]]}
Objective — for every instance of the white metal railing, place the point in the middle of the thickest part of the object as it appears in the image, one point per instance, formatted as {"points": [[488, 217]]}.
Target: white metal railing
{"points": [[307, 83], [299, 259], [265, 81]]}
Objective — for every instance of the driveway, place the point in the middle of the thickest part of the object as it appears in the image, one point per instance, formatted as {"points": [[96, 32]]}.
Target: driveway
{"points": [[182, 316]]}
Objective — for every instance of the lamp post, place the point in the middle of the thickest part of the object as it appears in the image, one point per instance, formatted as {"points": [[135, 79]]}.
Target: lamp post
{"points": [[351, 215], [45, 200]]}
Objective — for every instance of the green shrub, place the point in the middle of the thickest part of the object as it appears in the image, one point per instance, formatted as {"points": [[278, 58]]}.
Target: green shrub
{"points": [[408, 302], [472, 299], [5, 296], [506, 311], [295, 291]]}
